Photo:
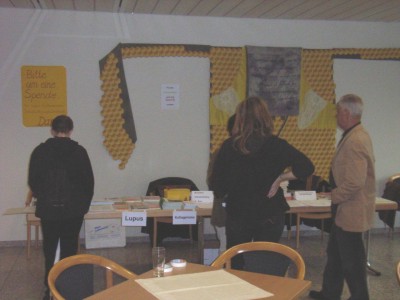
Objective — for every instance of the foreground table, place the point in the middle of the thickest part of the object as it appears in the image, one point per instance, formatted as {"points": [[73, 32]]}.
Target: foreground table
{"points": [[283, 288]]}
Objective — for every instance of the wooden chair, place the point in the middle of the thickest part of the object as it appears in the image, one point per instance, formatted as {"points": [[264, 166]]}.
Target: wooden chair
{"points": [[314, 216], [31, 220], [177, 195], [398, 272], [391, 192], [225, 258], [153, 228], [57, 288]]}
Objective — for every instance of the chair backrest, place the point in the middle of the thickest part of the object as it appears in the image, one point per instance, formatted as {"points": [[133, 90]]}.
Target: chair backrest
{"points": [[176, 193], [72, 275], [398, 272], [392, 188], [179, 191], [225, 258], [394, 177], [156, 187]]}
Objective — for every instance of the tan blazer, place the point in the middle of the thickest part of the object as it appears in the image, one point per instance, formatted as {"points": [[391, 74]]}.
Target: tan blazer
{"points": [[353, 168]]}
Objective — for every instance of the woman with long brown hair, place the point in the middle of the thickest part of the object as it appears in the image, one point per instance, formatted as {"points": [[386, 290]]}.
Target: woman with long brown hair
{"points": [[249, 169]]}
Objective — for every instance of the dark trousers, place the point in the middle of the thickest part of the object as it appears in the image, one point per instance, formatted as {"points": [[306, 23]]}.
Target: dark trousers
{"points": [[346, 261], [64, 231], [240, 230]]}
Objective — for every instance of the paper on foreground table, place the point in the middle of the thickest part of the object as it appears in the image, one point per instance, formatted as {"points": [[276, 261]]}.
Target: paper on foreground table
{"points": [[205, 285]]}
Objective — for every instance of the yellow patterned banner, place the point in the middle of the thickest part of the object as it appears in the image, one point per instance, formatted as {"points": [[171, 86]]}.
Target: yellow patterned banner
{"points": [[312, 131], [228, 88]]}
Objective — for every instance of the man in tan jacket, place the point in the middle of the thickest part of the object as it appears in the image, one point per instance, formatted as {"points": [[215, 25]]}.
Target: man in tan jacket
{"points": [[353, 204]]}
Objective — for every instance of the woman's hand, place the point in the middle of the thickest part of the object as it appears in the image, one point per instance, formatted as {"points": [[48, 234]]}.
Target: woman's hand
{"points": [[28, 202], [274, 187], [29, 198], [285, 176]]}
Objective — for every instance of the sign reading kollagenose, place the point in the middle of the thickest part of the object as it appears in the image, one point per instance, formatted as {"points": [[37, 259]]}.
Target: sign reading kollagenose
{"points": [[134, 218], [182, 217]]}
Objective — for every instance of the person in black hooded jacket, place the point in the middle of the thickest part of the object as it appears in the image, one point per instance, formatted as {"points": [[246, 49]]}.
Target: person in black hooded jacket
{"points": [[61, 220]]}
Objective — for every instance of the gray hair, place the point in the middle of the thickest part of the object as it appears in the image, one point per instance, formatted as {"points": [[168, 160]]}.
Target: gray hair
{"points": [[352, 103]]}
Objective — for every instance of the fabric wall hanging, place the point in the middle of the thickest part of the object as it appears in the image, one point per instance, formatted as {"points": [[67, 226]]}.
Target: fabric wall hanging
{"points": [[312, 129]]}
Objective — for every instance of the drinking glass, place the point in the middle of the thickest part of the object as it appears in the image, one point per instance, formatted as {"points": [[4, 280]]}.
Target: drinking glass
{"points": [[158, 254]]}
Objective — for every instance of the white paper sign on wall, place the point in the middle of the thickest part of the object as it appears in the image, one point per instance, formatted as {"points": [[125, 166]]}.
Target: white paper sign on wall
{"points": [[134, 218], [169, 96]]}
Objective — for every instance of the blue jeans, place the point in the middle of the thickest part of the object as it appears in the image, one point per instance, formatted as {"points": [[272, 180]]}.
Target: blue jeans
{"points": [[346, 261]]}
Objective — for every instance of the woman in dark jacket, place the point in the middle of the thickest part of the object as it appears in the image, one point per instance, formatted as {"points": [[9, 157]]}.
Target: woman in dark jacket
{"points": [[249, 169], [61, 178]]}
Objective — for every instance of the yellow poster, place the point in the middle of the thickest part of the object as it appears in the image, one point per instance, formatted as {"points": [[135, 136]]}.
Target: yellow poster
{"points": [[44, 94]]}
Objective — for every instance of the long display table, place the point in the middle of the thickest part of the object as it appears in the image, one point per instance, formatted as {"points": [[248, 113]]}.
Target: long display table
{"points": [[204, 210]]}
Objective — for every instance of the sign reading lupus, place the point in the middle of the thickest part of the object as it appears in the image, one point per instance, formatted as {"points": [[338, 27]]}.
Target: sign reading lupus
{"points": [[44, 94], [134, 218]]}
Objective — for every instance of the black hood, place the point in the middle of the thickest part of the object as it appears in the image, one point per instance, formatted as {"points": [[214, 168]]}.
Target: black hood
{"points": [[62, 147]]}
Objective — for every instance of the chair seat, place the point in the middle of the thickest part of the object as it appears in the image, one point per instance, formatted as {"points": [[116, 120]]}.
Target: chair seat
{"points": [[165, 220]]}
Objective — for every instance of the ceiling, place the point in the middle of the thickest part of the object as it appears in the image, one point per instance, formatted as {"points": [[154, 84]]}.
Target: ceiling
{"points": [[344, 10]]}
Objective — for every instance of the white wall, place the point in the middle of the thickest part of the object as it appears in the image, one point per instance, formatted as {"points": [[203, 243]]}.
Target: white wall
{"points": [[377, 83], [78, 40]]}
